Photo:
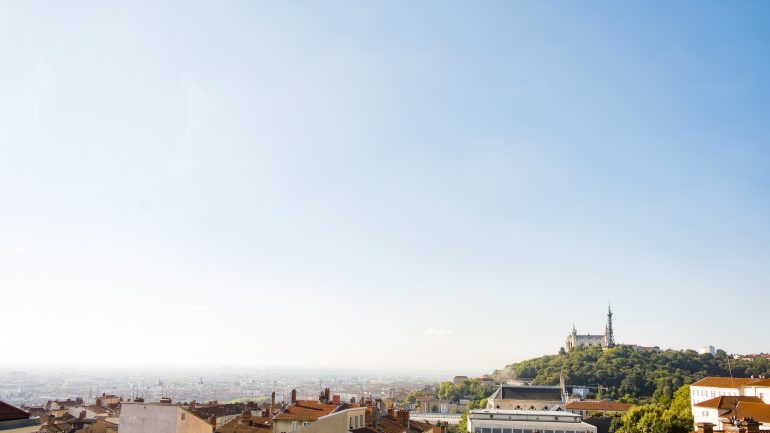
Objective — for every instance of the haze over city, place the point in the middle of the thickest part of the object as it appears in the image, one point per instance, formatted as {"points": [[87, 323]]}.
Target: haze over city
{"points": [[259, 185]]}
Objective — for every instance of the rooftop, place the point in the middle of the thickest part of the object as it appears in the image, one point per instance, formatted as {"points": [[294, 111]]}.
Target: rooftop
{"points": [[307, 410], [598, 405], [727, 401], [9, 413], [757, 411], [724, 382], [527, 392]]}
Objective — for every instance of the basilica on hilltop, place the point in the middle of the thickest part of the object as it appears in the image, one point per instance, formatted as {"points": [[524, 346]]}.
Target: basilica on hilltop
{"points": [[603, 340]]}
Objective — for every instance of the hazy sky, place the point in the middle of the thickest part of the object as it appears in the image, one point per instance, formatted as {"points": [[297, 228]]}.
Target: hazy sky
{"points": [[384, 185]]}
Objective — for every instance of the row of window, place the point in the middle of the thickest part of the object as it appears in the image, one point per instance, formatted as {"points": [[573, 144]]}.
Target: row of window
{"points": [[706, 393], [518, 430], [356, 421]]}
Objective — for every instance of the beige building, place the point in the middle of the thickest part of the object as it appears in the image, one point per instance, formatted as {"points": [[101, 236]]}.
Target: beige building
{"points": [[164, 417]]}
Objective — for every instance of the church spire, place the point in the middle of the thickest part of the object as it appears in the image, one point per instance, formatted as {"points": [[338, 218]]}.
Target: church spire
{"points": [[609, 337]]}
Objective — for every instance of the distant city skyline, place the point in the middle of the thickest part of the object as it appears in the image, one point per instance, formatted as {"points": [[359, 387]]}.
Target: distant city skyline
{"points": [[393, 186]]}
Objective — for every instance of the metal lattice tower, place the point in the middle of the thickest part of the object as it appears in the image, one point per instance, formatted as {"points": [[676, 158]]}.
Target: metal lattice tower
{"points": [[609, 336]]}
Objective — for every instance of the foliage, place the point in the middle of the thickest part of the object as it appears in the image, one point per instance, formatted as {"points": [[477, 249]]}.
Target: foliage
{"points": [[463, 424], [625, 373], [413, 396], [668, 415], [471, 389]]}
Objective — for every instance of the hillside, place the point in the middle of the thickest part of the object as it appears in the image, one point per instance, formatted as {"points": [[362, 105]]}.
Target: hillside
{"points": [[623, 372]]}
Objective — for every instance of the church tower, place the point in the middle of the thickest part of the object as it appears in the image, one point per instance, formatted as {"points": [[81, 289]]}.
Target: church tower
{"points": [[609, 337]]}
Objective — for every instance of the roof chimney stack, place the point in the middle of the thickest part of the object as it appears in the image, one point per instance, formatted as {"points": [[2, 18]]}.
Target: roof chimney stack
{"points": [[402, 416], [375, 417], [293, 396]]}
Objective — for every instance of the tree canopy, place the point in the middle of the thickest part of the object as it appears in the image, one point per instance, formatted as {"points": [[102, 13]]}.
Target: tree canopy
{"points": [[625, 373]]}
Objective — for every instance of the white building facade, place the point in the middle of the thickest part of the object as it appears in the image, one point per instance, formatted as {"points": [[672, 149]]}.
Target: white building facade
{"points": [[526, 421]]}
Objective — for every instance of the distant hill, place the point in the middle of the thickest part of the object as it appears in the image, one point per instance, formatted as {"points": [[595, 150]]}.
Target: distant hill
{"points": [[625, 373]]}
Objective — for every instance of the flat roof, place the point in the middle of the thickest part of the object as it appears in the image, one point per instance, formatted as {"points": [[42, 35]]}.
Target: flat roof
{"points": [[524, 412]]}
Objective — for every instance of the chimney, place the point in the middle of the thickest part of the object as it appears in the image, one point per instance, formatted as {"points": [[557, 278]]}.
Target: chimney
{"points": [[375, 417], [327, 394], [51, 419], [293, 396], [82, 414], [402, 416], [213, 422], [246, 416], [336, 399], [272, 400], [390, 411], [751, 425], [193, 404]]}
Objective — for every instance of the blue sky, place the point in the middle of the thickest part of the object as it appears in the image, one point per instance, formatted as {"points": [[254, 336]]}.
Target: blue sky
{"points": [[463, 180]]}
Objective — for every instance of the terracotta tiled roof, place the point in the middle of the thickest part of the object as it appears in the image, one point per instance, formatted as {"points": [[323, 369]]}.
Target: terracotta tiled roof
{"points": [[306, 410], [390, 424], [8, 412], [759, 382], [598, 405], [723, 382], [758, 411], [727, 401]]}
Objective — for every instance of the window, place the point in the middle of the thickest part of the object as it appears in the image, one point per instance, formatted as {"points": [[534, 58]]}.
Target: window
{"points": [[478, 430], [507, 430], [351, 423], [486, 430], [496, 430], [182, 416]]}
